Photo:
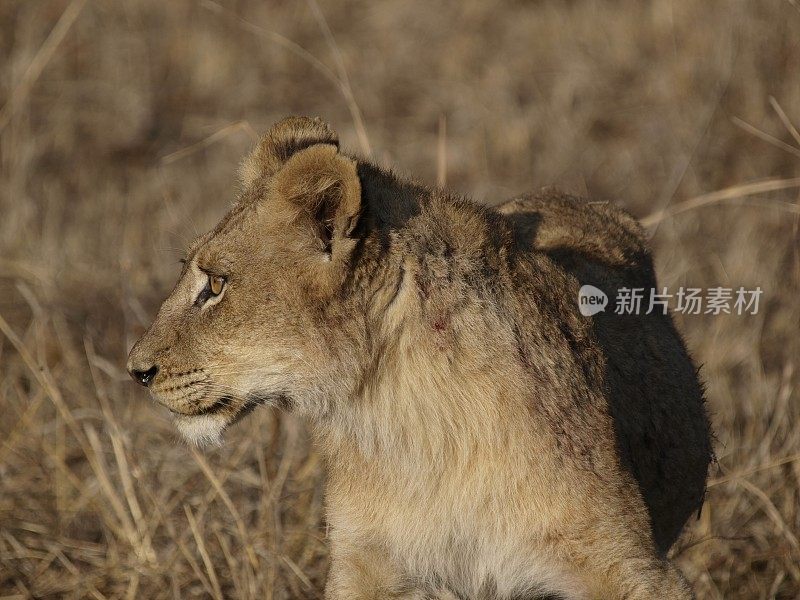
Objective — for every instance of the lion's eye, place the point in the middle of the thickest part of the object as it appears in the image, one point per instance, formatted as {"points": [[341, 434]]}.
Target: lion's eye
{"points": [[216, 284], [212, 289]]}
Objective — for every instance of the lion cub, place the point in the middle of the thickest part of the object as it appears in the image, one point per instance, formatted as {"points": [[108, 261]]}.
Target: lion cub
{"points": [[484, 439]]}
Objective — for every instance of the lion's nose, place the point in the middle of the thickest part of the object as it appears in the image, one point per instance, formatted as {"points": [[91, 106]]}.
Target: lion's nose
{"points": [[143, 376]]}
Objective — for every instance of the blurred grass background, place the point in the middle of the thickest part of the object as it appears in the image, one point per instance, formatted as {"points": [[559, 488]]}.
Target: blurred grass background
{"points": [[121, 127]]}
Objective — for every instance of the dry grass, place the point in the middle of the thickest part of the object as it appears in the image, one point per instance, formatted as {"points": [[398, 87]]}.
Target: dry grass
{"points": [[121, 127]]}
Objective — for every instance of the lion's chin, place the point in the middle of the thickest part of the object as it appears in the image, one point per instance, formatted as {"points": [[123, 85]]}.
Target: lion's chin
{"points": [[201, 430]]}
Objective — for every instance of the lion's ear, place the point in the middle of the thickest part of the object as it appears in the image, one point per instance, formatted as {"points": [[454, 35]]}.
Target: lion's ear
{"points": [[319, 193], [281, 142]]}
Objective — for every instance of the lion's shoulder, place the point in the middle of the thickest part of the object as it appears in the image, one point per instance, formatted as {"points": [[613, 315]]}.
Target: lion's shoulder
{"points": [[576, 230]]}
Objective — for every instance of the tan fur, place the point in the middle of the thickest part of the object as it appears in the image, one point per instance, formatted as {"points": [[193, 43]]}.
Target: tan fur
{"points": [[483, 439]]}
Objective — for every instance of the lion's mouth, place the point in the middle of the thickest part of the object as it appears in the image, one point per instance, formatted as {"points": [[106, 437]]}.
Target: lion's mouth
{"points": [[216, 407], [233, 409]]}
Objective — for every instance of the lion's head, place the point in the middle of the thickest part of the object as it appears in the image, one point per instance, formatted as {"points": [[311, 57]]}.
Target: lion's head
{"points": [[253, 318]]}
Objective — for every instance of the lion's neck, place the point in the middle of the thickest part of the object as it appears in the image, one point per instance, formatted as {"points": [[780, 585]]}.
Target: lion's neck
{"points": [[427, 407]]}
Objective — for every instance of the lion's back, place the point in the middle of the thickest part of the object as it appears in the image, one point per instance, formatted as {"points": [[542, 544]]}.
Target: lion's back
{"points": [[649, 381]]}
